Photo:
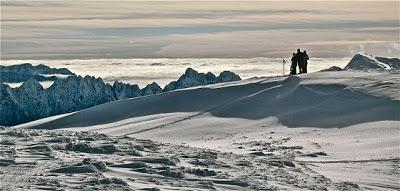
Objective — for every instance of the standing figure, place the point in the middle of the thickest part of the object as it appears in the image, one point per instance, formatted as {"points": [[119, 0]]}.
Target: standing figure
{"points": [[283, 67], [300, 61], [293, 67], [305, 59]]}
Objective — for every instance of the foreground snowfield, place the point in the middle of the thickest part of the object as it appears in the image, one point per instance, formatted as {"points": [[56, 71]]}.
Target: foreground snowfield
{"points": [[324, 130]]}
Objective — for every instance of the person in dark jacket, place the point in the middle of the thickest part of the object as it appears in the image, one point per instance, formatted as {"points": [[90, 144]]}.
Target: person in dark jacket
{"points": [[305, 60], [300, 60], [293, 66]]}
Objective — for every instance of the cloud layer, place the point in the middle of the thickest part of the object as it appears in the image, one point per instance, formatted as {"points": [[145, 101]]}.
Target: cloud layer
{"points": [[127, 29]]}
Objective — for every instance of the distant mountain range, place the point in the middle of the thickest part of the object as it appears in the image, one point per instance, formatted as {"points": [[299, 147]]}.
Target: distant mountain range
{"points": [[26, 71], [31, 101]]}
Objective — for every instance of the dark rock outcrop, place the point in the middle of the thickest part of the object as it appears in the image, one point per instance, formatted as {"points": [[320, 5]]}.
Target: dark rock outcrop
{"points": [[123, 91], [333, 68], [193, 78], [151, 89]]}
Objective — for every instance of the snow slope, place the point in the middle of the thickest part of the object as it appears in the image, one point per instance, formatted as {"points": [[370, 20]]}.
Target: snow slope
{"points": [[328, 99], [342, 125]]}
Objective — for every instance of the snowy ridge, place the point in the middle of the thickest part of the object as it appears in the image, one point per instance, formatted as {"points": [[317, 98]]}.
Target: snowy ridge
{"points": [[313, 100], [31, 101], [334, 130]]}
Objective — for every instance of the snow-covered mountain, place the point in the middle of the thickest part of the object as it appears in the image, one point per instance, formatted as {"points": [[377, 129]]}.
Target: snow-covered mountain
{"points": [[31, 101], [362, 61]]}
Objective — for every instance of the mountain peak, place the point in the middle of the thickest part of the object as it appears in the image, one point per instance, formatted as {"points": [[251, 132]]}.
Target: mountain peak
{"points": [[190, 71], [362, 61], [151, 89]]}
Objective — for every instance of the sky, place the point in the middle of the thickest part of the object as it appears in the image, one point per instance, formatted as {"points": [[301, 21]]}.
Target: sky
{"points": [[202, 29]]}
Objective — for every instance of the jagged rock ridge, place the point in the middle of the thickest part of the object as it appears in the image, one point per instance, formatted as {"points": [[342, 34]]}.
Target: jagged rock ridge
{"points": [[193, 78], [31, 101]]}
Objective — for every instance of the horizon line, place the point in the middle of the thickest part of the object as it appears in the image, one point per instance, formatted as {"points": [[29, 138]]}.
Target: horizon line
{"points": [[132, 58]]}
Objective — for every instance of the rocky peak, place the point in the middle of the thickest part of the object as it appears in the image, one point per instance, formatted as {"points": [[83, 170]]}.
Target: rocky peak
{"points": [[193, 78], [362, 61], [332, 68], [228, 76], [190, 72], [150, 89], [122, 91]]}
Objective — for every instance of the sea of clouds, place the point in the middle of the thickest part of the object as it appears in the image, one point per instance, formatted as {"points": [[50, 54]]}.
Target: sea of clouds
{"points": [[162, 70]]}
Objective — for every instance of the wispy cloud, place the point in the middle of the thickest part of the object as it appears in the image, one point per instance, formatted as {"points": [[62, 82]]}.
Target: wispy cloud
{"points": [[92, 29]]}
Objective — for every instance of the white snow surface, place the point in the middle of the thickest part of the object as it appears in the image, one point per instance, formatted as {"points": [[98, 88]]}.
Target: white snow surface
{"points": [[352, 116], [322, 99]]}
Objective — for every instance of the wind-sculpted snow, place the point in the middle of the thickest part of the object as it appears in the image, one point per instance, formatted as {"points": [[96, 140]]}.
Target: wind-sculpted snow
{"points": [[324, 99], [276, 133], [23, 72], [45, 160], [31, 101]]}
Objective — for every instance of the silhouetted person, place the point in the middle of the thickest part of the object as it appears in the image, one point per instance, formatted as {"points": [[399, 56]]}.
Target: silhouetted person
{"points": [[305, 60], [300, 60], [293, 66]]}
